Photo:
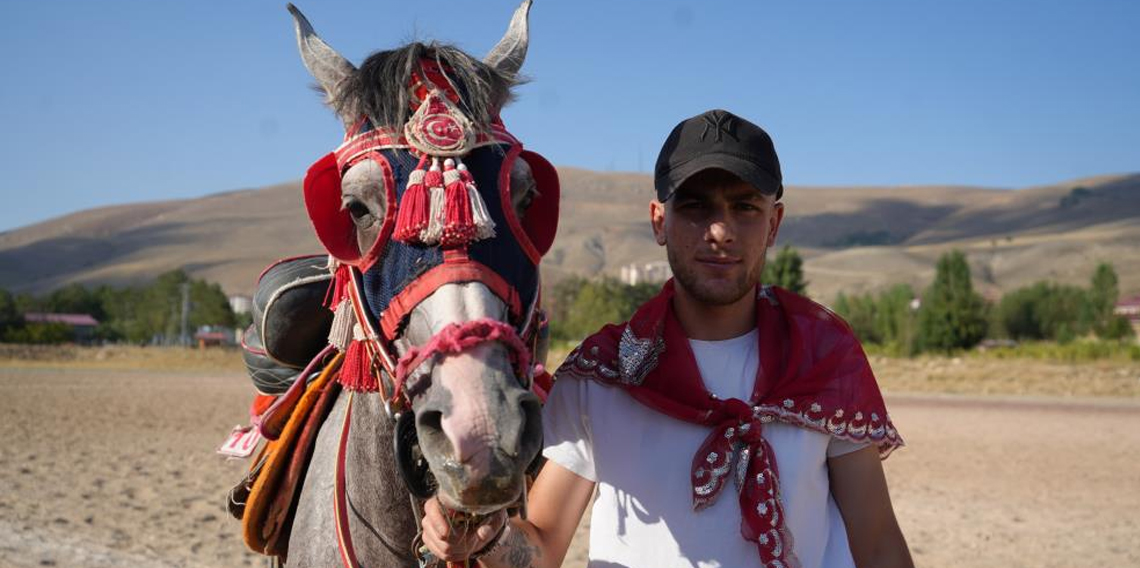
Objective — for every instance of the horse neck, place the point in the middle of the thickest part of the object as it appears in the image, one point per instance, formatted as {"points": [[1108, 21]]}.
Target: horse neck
{"points": [[380, 511], [381, 519]]}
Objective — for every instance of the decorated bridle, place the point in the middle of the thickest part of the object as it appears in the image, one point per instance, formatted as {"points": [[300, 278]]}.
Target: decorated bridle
{"points": [[441, 208], [444, 225]]}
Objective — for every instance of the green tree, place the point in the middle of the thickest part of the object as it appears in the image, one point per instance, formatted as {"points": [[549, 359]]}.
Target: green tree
{"points": [[953, 315], [209, 305], [40, 333], [10, 317], [75, 299], [1044, 310], [1104, 291], [136, 314], [885, 320], [26, 302], [595, 304], [860, 314], [1118, 328], [895, 319], [786, 271], [558, 299], [122, 306]]}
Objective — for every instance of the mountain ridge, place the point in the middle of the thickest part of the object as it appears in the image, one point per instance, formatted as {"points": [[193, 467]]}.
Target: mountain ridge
{"points": [[853, 239]]}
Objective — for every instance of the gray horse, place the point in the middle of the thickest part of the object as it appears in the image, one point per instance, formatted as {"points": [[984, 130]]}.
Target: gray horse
{"points": [[478, 422]]}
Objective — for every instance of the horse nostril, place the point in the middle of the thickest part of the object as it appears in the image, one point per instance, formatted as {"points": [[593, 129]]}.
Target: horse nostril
{"points": [[429, 430]]}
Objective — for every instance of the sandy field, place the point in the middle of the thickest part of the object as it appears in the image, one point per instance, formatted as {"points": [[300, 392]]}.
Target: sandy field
{"points": [[103, 466]]}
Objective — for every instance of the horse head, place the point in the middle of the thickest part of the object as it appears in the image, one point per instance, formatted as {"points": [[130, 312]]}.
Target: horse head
{"points": [[437, 219]]}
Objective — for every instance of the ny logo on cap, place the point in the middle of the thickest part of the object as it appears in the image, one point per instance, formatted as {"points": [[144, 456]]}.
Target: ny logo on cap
{"points": [[720, 123]]}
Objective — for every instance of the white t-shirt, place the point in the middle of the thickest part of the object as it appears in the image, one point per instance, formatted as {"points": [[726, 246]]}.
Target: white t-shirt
{"points": [[641, 460]]}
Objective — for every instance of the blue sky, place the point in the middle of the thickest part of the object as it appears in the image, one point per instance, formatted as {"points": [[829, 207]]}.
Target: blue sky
{"points": [[123, 101]]}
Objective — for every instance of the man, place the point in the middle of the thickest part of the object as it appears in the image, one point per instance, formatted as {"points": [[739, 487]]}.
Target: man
{"points": [[716, 382]]}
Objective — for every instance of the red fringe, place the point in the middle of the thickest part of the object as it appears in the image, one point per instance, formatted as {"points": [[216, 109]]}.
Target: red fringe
{"points": [[412, 215], [337, 288], [356, 371], [459, 222], [433, 178]]}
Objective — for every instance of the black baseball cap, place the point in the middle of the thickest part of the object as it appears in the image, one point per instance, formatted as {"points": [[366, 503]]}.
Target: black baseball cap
{"points": [[718, 139]]}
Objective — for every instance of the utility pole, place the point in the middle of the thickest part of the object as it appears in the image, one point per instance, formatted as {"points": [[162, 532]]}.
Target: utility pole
{"points": [[184, 339]]}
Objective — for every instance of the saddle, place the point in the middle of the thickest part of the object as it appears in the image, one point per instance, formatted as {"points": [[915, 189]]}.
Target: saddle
{"points": [[290, 322], [286, 355], [266, 498]]}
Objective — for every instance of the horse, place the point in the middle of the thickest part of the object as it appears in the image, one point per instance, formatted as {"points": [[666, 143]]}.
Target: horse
{"points": [[435, 219]]}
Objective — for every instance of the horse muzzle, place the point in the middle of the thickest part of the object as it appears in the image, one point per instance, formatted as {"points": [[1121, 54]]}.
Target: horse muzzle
{"points": [[479, 428]]}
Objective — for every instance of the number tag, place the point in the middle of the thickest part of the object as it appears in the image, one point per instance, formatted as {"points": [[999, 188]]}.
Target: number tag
{"points": [[241, 442]]}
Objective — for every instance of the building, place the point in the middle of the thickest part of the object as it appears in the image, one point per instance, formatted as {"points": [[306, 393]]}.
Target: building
{"points": [[215, 336], [241, 304], [646, 273], [82, 325]]}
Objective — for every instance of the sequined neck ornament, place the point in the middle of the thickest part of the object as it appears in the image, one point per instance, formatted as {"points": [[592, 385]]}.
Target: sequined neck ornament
{"points": [[813, 374]]}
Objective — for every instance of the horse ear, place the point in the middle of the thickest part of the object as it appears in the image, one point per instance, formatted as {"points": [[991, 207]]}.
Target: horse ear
{"points": [[327, 66], [509, 54]]}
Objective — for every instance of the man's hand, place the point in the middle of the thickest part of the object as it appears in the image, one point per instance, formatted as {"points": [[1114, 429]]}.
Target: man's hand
{"points": [[456, 544]]}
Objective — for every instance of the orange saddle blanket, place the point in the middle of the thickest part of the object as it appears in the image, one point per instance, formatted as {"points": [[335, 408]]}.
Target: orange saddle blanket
{"points": [[266, 499]]}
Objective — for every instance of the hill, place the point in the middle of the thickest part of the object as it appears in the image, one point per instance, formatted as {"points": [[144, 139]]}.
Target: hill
{"points": [[853, 238]]}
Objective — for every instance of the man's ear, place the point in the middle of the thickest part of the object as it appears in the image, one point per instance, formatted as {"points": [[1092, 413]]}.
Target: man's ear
{"points": [[657, 219], [777, 217]]}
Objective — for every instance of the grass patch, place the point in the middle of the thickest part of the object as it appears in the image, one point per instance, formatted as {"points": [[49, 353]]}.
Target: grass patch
{"points": [[1072, 352]]}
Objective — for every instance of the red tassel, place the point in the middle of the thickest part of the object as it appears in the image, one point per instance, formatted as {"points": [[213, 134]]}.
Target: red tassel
{"points": [[459, 221], [415, 207], [356, 371], [433, 178], [336, 291]]}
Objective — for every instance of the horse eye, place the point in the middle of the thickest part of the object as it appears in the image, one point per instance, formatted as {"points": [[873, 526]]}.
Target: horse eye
{"points": [[357, 209]]}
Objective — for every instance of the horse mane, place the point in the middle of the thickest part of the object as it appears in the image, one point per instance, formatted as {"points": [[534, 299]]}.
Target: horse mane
{"points": [[379, 88]]}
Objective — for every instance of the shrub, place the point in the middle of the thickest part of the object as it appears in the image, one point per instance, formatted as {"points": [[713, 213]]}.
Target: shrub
{"points": [[39, 333], [953, 315], [786, 271]]}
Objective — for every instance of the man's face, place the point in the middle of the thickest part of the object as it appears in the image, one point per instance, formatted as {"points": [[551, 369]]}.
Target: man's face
{"points": [[716, 230]]}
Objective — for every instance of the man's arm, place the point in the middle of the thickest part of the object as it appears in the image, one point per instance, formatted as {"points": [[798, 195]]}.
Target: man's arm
{"points": [[555, 506], [860, 491]]}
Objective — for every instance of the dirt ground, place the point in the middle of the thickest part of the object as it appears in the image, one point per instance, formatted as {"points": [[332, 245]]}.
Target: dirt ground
{"points": [[104, 467]]}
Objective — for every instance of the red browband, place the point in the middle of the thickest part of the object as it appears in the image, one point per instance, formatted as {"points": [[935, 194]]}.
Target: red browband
{"points": [[383, 138]]}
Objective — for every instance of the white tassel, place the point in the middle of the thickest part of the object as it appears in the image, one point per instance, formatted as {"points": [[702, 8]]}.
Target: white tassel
{"points": [[431, 234], [344, 320], [484, 225], [434, 230]]}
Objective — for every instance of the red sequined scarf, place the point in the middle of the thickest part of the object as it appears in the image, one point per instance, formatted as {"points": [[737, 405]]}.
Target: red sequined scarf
{"points": [[813, 374]]}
